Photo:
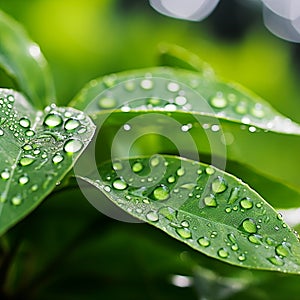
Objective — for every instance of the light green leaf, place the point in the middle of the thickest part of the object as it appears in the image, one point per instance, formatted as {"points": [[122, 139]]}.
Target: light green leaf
{"points": [[23, 61], [206, 208], [37, 149]]}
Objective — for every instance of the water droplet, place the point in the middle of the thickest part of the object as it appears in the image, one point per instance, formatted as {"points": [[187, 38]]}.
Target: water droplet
{"points": [[204, 241], [26, 160], [119, 184], [180, 172], [210, 170], [246, 203], [107, 103], [257, 111], [126, 127], [218, 101], [5, 174], [184, 233], [249, 226], [210, 201], [241, 108], [154, 162], [171, 179], [117, 166], [23, 180], [173, 87], [161, 193], [242, 257], [129, 85], [235, 247], [1, 132], [184, 223], [270, 241], [282, 249], [53, 120], [152, 216], [228, 209], [275, 260], [223, 253], [27, 147], [17, 200], [73, 146], [255, 239], [180, 100], [147, 84], [170, 107], [34, 188], [168, 212], [137, 167], [234, 195], [24, 122], [72, 124], [231, 238], [107, 189], [219, 185], [57, 158], [29, 133]]}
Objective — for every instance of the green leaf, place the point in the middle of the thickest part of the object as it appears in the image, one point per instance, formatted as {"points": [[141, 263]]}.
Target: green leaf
{"points": [[37, 149], [23, 61], [204, 207], [176, 56]]}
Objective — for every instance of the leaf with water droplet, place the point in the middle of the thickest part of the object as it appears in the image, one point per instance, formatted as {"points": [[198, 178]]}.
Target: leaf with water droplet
{"points": [[198, 217], [30, 166], [23, 61]]}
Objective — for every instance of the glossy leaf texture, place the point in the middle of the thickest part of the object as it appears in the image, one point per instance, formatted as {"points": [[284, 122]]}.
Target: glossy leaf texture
{"points": [[23, 61], [37, 149], [168, 89], [204, 207]]}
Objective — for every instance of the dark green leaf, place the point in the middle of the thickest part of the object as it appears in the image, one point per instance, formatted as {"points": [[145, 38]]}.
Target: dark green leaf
{"points": [[37, 150], [23, 61], [210, 210]]}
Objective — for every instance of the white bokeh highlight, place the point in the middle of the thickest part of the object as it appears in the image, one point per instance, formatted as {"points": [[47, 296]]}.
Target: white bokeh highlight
{"points": [[192, 10]]}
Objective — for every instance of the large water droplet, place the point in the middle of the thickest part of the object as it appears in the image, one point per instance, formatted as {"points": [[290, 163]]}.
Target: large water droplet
{"points": [[57, 158], [255, 239], [23, 180], [152, 216], [246, 203], [249, 226], [210, 201], [53, 120], [73, 146], [24, 122], [275, 260], [161, 193], [218, 101], [204, 241], [219, 185], [107, 103], [223, 253], [184, 233], [119, 184], [282, 249], [72, 124], [26, 160]]}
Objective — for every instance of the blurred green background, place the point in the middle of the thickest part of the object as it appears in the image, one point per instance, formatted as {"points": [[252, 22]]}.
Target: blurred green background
{"points": [[75, 252]]}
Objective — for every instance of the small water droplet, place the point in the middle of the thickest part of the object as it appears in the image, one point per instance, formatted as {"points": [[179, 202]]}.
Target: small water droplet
{"points": [[126, 127], [34, 188], [26, 160], [231, 238], [53, 120], [228, 209], [73, 146], [219, 185], [209, 170], [168, 212], [180, 172], [270, 241], [184, 233], [72, 124], [171, 179], [17, 200], [119, 184], [108, 189], [170, 107], [235, 247], [234, 195], [242, 257], [154, 162], [137, 167], [29, 133], [57, 158], [23, 180], [275, 260], [257, 111], [1, 132], [27, 147], [107, 103], [255, 239], [249, 226], [218, 101], [223, 253], [5, 174], [180, 100], [173, 87], [184, 223], [210, 201], [147, 84], [129, 85], [161, 193], [282, 249], [246, 203], [152, 216], [241, 108], [204, 241], [24, 122], [117, 166]]}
